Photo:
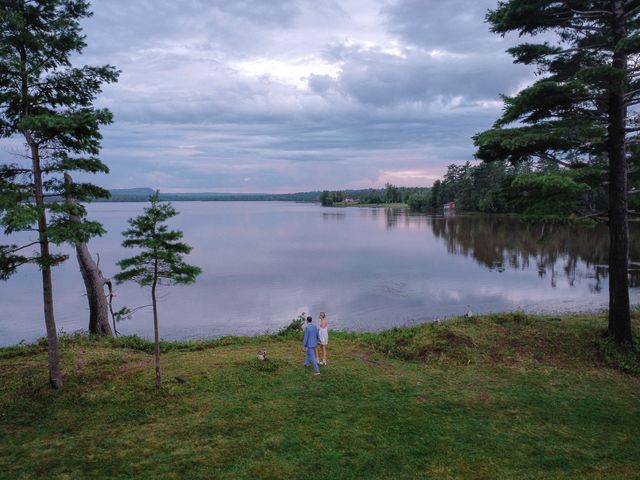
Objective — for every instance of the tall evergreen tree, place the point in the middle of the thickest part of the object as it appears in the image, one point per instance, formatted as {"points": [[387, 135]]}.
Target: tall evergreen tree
{"points": [[49, 104], [578, 110], [160, 259]]}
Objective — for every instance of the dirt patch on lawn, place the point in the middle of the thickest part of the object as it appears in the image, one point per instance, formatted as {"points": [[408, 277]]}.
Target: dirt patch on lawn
{"points": [[128, 368], [367, 358], [387, 370], [455, 339], [454, 346]]}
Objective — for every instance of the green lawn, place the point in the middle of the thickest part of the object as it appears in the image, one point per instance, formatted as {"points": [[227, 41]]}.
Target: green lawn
{"points": [[505, 396]]}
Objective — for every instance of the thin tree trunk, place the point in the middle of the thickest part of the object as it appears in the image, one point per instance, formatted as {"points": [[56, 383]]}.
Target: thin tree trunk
{"points": [[93, 281], [55, 376], [156, 332], [619, 311], [109, 285]]}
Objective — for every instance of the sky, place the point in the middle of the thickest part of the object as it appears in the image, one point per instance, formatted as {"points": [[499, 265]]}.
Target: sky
{"points": [[295, 95]]}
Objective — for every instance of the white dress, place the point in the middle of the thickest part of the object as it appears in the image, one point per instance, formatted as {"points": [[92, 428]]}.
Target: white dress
{"points": [[323, 335]]}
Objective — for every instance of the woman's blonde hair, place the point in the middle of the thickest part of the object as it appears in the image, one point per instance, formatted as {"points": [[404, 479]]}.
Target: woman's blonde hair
{"points": [[322, 315]]}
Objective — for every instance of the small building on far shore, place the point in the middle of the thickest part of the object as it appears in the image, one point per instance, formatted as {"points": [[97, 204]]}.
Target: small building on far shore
{"points": [[449, 206]]}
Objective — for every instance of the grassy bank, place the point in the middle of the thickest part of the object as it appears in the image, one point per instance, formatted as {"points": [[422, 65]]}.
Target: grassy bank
{"points": [[504, 396]]}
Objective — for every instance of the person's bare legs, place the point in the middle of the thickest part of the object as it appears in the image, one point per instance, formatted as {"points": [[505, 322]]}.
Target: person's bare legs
{"points": [[315, 352], [324, 354]]}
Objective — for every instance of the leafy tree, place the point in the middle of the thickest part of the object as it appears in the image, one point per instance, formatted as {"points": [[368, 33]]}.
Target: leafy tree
{"points": [[466, 198], [160, 259], [580, 109], [490, 181], [328, 198], [375, 198], [435, 194], [447, 190], [551, 197], [420, 201], [392, 194], [49, 104]]}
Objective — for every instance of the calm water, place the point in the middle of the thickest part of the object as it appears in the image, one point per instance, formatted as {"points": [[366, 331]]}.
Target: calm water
{"points": [[369, 269]]}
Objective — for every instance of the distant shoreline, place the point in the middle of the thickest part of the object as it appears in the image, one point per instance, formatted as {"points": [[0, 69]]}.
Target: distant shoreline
{"points": [[143, 194], [169, 198]]}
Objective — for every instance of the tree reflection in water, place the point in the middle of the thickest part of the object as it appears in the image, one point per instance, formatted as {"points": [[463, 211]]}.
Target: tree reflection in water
{"points": [[502, 242]]}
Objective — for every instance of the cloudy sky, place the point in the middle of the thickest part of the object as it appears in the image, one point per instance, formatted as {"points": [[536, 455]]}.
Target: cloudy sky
{"points": [[295, 95]]}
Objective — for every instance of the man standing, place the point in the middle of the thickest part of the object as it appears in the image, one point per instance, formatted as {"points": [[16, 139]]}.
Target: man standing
{"points": [[310, 342]]}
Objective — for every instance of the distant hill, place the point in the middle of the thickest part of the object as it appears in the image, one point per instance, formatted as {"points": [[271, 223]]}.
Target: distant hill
{"points": [[137, 192], [143, 194]]}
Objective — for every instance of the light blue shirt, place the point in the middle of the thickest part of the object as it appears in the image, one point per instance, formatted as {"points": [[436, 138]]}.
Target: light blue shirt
{"points": [[310, 336]]}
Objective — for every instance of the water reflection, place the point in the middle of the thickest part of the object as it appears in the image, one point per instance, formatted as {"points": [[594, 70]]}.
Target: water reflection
{"points": [[334, 216], [497, 243], [368, 268]]}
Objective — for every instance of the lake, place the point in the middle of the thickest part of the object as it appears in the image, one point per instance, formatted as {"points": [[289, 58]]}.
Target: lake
{"points": [[368, 268]]}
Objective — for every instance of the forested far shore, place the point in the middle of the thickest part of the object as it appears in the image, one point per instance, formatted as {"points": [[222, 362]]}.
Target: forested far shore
{"points": [[143, 194], [539, 191]]}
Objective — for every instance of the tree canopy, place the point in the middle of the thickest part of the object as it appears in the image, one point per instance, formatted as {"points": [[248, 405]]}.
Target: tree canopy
{"points": [[47, 103], [578, 115], [159, 260]]}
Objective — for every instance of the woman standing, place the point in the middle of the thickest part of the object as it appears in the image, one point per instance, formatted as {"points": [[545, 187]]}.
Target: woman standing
{"points": [[323, 338]]}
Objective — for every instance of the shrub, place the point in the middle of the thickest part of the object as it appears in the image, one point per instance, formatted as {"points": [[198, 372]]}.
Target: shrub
{"points": [[294, 327]]}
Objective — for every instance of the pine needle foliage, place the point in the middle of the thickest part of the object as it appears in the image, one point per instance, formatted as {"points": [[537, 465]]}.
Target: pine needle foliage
{"points": [[580, 114], [161, 253], [46, 103], [160, 258]]}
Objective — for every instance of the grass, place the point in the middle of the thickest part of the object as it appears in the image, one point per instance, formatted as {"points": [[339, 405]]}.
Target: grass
{"points": [[502, 396]]}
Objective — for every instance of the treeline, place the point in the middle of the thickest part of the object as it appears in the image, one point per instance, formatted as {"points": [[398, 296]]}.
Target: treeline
{"points": [[371, 196], [481, 188], [143, 194], [539, 191], [474, 188]]}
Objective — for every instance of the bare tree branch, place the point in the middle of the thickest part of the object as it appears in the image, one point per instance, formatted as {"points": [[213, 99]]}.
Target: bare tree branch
{"points": [[553, 158], [592, 13], [22, 247]]}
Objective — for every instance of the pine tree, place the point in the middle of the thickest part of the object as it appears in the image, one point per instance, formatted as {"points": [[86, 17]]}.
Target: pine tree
{"points": [[577, 111], [160, 259], [49, 104]]}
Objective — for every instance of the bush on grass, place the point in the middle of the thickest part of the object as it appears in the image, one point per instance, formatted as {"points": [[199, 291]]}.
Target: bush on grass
{"points": [[294, 328]]}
